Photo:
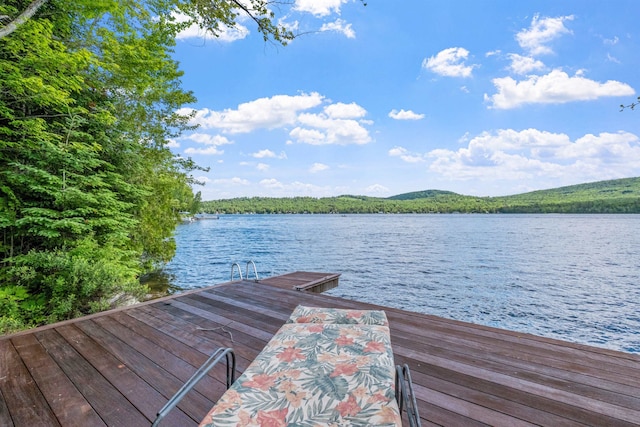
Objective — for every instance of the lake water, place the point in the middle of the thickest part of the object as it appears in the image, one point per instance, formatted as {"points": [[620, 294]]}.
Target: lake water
{"points": [[573, 277]]}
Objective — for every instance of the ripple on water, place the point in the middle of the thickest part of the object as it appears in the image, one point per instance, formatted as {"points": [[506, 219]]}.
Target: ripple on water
{"points": [[573, 277]]}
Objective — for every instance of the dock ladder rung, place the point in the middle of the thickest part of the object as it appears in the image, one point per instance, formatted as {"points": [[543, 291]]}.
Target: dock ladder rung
{"points": [[255, 270], [235, 264], [249, 263]]}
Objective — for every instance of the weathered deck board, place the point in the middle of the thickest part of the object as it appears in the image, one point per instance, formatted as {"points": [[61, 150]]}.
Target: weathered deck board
{"points": [[120, 367]]}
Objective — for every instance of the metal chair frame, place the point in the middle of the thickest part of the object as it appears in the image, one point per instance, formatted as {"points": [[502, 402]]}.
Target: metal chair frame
{"points": [[213, 360], [405, 397]]}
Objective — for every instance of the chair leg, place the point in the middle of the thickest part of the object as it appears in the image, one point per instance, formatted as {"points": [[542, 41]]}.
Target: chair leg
{"points": [[405, 396]]}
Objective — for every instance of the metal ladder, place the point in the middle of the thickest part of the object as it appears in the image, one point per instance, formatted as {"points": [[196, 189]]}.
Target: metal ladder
{"points": [[255, 270]]}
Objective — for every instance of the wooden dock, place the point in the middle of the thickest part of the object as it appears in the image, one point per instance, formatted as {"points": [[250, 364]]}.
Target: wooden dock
{"points": [[118, 368]]}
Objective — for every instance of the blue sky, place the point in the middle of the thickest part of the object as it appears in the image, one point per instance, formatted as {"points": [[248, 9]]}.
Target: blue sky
{"points": [[482, 98]]}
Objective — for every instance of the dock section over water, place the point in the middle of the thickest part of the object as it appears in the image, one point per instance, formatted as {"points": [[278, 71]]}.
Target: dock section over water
{"points": [[118, 368]]}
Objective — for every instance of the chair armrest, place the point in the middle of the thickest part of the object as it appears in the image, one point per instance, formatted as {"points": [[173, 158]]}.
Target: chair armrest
{"points": [[213, 360]]}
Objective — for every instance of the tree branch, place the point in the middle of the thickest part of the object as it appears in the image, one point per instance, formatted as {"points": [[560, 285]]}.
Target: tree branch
{"points": [[22, 18]]}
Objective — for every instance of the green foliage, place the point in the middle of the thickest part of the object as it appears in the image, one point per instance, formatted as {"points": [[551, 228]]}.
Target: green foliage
{"points": [[615, 196], [212, 14], [68, 283], [89, 192], [422, 195]]}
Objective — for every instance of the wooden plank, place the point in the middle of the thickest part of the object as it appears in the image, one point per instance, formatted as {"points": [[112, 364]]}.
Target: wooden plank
{"points": [[304, 281], [180, 329], [5, 417], [505, 398], [146, 399], [468, 409], [67, 403], [181, 350], [160, 339], [552, 349], [209, 386], [194, 404], [238, 332], [579, 378], [238, 313], [547, 390], [106, 400], [229, 322], [26, 404], [245, 304], [487, 399], [438, 416], [527, 350], [209, 338], [133, 359]]}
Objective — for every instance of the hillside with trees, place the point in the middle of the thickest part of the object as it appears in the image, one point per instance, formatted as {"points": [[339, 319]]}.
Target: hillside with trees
{"points": [[614, 196], [90, 193]]}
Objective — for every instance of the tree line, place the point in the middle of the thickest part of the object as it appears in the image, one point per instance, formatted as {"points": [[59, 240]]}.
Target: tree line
{"points": [[90, 193], [615, 196]]}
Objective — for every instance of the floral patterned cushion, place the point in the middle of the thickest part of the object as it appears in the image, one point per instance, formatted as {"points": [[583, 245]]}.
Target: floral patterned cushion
{"points": [[304, 314], [315, 374]]}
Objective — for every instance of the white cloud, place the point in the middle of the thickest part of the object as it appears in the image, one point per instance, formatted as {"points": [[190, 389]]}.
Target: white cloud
{"points": [[554, 88], [336, 124], [275, 188], [262, 154], [225, 33], [524, 64], [172, 143], [319, 129], [405, 115], [271, 183], [211, 150], [542, 31], [405, 155], [319, 7], [262, 113], [207, 139], [544, 158], [293, 26], [297, 187], [339, 26], [211, 143], [263, 167], [318, 167], [231, 181], [376, 189], [308, 136], [203, 179], [613, 59], [450, 63], [340, 110], [611, 42]]}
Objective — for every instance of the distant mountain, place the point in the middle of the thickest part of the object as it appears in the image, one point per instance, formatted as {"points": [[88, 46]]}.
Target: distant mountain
{"points": [[426, 194], [602, 189], [615, 188], [613, 196]]}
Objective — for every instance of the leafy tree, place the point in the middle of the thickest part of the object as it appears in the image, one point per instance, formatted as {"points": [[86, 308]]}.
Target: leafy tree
{"points": [[89, 192]]}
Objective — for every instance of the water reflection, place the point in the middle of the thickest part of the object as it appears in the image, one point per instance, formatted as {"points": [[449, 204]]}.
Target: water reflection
{"points": [[160, 284]]}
